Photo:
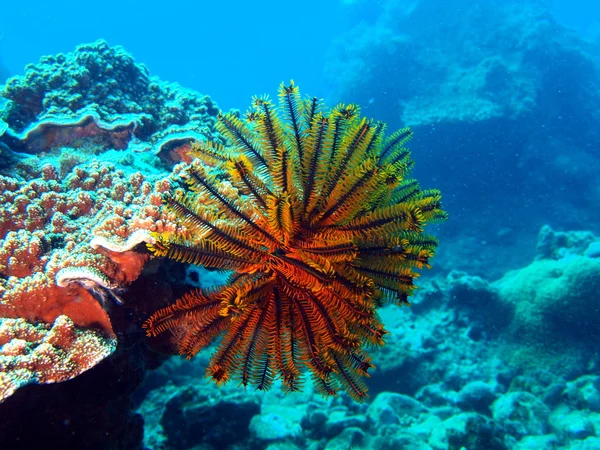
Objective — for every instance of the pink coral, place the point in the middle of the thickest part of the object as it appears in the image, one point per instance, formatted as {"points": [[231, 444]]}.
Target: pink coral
{"points": [[72, 232], [47, 353], [65, 243]]}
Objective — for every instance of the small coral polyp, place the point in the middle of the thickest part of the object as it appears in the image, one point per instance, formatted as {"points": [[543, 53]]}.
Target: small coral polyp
{"points": [[313, 212]]}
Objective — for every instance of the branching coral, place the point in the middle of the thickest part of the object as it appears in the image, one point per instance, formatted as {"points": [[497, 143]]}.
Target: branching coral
{"points": [[315, 215]]}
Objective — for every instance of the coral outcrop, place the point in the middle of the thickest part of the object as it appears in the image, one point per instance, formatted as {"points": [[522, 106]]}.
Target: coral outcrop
{"points": [[67, 245], [68, 242], [554, 301], [99, 94], [510, 89], [47, 353], [495, 72], [76, 205]]}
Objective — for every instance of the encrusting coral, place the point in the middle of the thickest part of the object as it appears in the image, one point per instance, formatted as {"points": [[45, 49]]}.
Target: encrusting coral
{"points": [[314, 214], [45, 353]]}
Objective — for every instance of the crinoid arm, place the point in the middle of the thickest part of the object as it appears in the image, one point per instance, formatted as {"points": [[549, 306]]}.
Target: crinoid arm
{"points": [[315, 214]]}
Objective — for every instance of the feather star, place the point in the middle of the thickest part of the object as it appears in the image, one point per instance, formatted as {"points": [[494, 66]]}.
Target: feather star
{"points": [[313, 213]]}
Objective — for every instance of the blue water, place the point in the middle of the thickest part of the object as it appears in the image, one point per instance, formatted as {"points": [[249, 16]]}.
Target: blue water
{"points": [[504, 101], [229, 50]]}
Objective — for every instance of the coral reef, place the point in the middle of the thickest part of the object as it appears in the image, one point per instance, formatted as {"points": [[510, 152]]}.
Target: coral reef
{"points": [[96, 407], [75, 209], [449, 377], [491, 75], [490, 80], [89, 147], [541, 314], [49, 266], [67, 242], [98, 94], [554, 302], [47, 354], [317, 218]]}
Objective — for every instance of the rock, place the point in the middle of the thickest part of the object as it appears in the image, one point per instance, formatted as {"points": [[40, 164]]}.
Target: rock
{"points": [[479, 299], [391, 408], [593, 250], [192, 418], [274, 427], [470, 291], [436, 394], [469, 431], [574, 425], [350, 438], [557, 244], [521, 414], [591, 443], [339, 420], [104, 84], [315, 420], [476, 396], [537, 442], [583, 393], [282, 446], [545, 385], [393, 437]]}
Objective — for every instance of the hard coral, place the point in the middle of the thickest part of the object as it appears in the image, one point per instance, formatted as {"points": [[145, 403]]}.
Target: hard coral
{"points": [[67, 245], [317, 219], [554, 300], [47, 353], [98, 94], [69, 222], [85, 226]]}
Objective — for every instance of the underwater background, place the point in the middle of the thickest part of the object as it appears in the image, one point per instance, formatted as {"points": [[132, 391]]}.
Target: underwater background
{"points": [[100, 106]]}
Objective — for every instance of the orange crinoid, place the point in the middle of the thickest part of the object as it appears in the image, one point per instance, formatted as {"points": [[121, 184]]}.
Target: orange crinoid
{"points": [[314, 214]]}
